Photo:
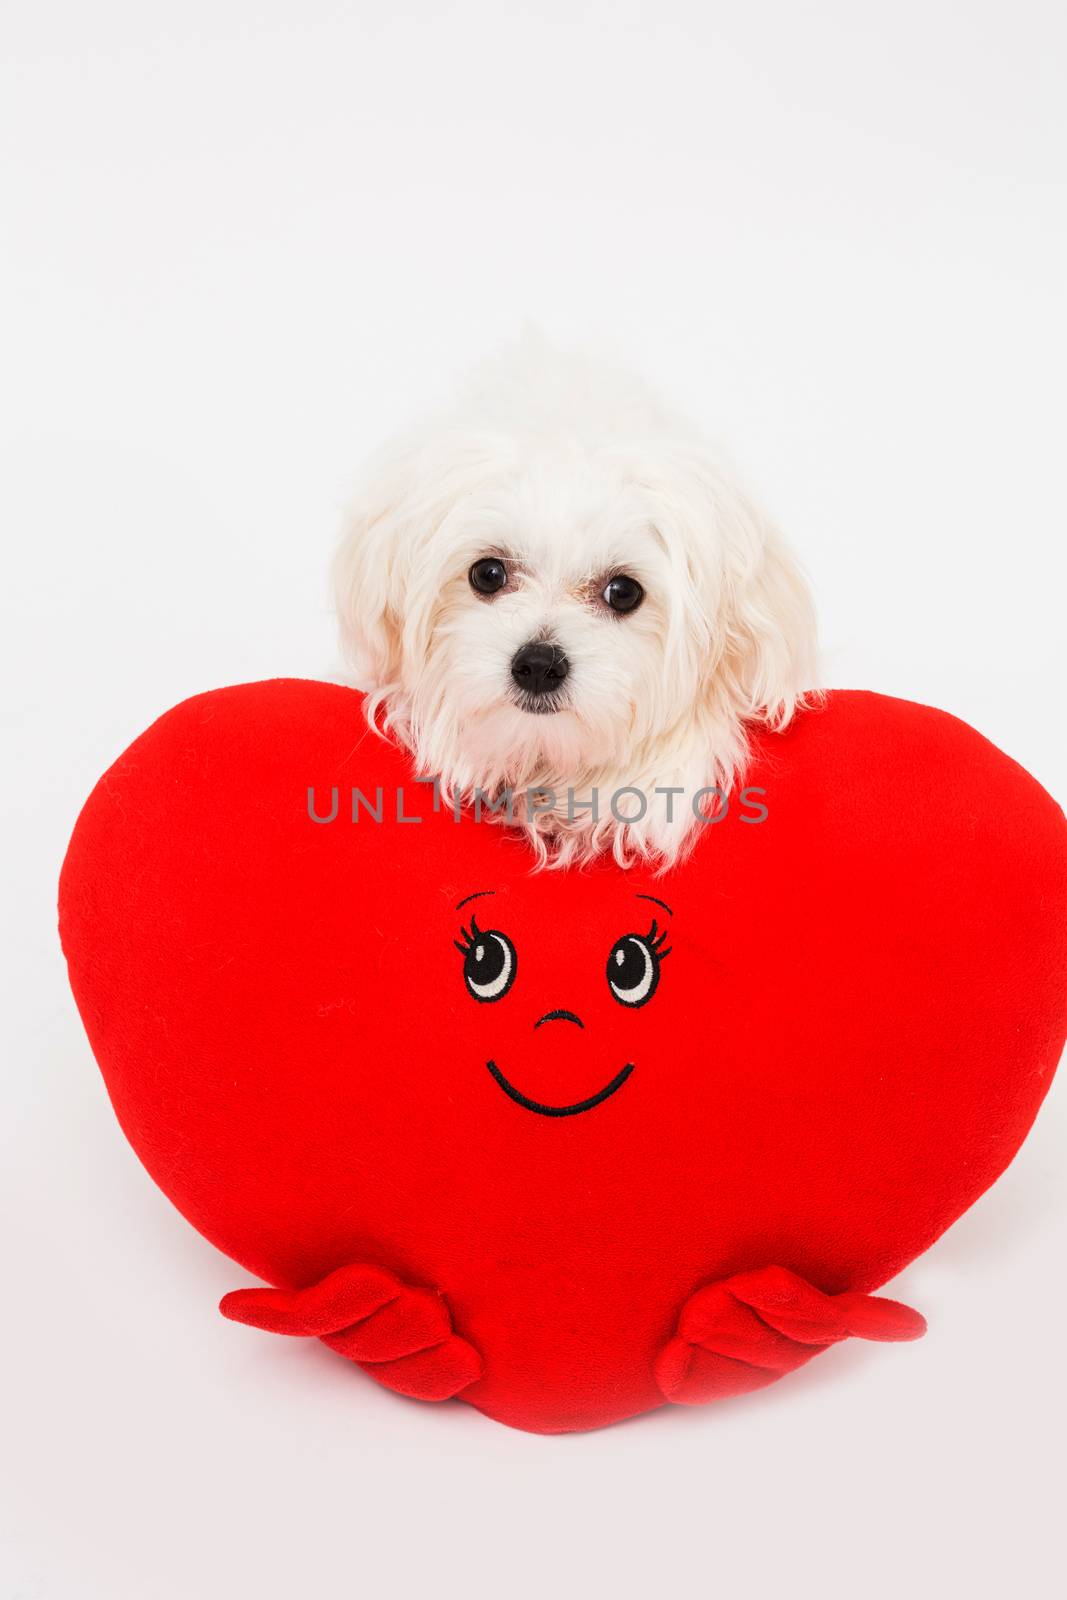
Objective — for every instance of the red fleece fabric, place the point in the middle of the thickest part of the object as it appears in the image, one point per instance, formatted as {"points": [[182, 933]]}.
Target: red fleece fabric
{"points": [[591, 1139]]}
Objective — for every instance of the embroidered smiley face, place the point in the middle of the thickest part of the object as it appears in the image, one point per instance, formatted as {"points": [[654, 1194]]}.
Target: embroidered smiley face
{"points": [[632, 974]]}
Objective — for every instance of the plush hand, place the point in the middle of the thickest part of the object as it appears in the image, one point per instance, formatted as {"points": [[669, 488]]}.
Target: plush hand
{"points": [[744, 1332], [401, 1336]]}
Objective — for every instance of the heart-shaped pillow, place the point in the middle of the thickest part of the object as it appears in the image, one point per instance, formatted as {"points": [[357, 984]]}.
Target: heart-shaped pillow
{"points": [[569, 1143]]}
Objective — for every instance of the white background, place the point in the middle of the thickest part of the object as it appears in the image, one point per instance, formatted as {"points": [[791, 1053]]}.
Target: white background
{"points": [[242, 242]]}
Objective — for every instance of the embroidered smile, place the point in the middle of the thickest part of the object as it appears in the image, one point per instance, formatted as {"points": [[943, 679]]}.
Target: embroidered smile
{"points": [[542, 1110]]}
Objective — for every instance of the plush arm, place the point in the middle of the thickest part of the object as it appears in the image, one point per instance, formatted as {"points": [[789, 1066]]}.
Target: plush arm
{"points": [[744, 1332], [401, 1336]]}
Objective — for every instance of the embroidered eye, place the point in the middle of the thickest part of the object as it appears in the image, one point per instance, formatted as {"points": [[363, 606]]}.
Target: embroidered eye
{"points": [[489, 962], [633, 966]]}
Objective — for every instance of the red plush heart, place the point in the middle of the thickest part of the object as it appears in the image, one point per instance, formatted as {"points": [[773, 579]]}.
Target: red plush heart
{"points": [[568, 1143]]}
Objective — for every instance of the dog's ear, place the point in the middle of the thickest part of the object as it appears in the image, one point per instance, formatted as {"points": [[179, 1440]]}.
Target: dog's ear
{"points": [[396, 543], [755, 606], [766, 627], [369, 573]]}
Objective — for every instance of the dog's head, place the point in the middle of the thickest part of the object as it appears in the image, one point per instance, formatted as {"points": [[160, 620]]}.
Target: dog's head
{"points": [[535, 607]]}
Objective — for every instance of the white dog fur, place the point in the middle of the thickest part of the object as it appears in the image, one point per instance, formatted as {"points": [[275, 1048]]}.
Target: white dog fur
{"points": [[571, 472]]}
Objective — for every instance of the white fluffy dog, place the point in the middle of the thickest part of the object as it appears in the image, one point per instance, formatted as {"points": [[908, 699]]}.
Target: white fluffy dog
{"points": [[556, 592]]}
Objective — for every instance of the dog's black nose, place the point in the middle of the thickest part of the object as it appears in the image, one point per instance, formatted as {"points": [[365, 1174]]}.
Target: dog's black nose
{"points": [[539, 667]]}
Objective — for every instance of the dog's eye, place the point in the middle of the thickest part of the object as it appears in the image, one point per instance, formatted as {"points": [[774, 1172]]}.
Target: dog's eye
{"points": [[623, 593], [489, 963], [488, 575], [634, 965]]}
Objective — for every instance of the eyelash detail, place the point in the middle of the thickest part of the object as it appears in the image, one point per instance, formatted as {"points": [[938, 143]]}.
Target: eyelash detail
{"points": [[655, 939], [469, 936]]}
